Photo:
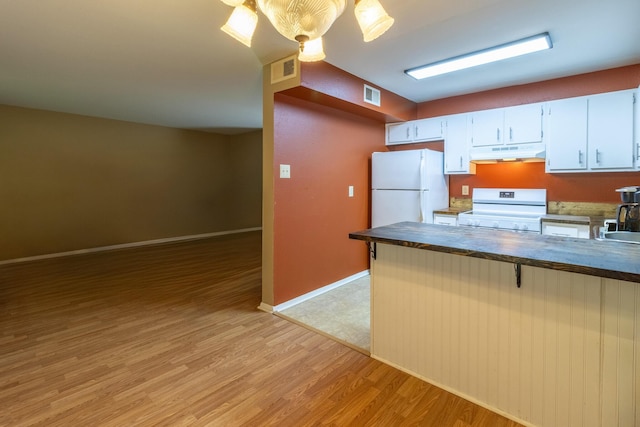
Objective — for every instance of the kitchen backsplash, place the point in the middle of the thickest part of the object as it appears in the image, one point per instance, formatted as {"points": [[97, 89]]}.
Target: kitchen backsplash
{"points": [[599, 210]]}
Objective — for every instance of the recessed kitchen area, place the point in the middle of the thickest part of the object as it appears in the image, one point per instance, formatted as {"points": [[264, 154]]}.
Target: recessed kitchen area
{"points": [[512, 292], [514, 283]]}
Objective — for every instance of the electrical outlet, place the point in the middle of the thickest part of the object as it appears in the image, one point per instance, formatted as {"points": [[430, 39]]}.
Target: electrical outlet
{"points": [[465, 190], [351, 191], [285, 171]]}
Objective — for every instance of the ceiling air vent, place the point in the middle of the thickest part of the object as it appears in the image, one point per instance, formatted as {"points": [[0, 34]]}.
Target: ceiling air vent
{"points": [[284, 69], [371, 95]]}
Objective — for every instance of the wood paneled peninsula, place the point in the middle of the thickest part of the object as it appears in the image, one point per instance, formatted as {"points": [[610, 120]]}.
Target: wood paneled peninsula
{"points": [[561, 349]]}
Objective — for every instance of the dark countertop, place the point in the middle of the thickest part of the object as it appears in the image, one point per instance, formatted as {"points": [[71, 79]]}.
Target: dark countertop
{"points": [[614, 260], [449, 211]]}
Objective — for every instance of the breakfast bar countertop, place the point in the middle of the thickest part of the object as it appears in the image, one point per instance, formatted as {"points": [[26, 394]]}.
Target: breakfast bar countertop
{"points": [[613, 260]]}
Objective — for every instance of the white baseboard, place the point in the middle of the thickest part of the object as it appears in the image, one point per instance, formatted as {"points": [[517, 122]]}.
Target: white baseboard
{"points": [[128, 245], [266, 308], [319, 291]]}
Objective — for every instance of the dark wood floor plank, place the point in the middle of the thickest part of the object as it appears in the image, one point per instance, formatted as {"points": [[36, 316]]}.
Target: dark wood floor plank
{"points": [[169, 335]]}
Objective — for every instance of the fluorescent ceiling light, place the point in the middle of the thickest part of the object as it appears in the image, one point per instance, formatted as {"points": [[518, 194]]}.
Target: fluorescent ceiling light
{"points": [[485, 56]]}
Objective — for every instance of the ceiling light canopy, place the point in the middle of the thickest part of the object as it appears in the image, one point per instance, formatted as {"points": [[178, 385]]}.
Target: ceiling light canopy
{"points": [[304, 21], [485, 56]]}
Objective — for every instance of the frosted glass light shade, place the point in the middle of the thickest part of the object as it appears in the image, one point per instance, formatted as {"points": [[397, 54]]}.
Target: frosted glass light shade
{"points": [[372, 18], [242, 24], [233, 3], [313, 51], [311, 18]]}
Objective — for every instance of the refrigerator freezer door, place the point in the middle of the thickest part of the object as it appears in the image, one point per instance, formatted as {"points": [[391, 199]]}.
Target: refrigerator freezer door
{"points": [[391, 206], [396, 170]]}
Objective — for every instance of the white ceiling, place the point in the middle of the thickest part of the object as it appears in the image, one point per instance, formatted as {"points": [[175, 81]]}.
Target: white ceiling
{"points": [[166, 62]]}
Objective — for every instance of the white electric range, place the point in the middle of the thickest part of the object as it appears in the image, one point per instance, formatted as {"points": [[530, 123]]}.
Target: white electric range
{"points": [[514, 209]]}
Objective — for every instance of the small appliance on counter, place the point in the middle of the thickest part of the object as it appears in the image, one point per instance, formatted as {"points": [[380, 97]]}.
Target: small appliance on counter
{"points": [[628, 213]]}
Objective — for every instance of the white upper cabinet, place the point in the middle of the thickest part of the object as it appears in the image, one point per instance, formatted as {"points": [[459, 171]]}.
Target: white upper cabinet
{"points": [[523, 124], [486, 127], [456, 146], [428, 129], [610, 131], [399, 133], [595, 133], [512, 125], [415, 131], [591, 133], [636, 128], [567, 135]]}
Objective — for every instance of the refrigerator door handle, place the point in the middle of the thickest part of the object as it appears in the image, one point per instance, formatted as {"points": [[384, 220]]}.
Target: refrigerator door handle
{"points": [[421, 193]]}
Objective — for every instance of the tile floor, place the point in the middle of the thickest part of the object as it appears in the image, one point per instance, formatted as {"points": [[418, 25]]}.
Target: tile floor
{"points": [[342, 313]]}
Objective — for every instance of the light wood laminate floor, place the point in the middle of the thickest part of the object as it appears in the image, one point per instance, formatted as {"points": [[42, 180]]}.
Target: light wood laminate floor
{"points": [[170, 335]]}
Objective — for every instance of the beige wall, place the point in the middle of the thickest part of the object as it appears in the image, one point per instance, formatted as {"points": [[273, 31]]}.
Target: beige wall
{"points": [[70, 182]]}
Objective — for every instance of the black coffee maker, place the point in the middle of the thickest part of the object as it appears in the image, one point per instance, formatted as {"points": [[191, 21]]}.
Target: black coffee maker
{"points": [[628, 213]]}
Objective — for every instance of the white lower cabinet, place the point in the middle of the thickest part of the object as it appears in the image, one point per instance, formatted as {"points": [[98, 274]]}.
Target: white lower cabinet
{"points": [[565, 230], [442, 219]]}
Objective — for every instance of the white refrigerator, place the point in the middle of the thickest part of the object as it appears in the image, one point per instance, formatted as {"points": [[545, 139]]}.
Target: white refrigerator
{"points": [[407, 186]]}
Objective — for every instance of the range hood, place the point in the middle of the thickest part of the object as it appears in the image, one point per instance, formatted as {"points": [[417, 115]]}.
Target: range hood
{"points": [[490, 154]]}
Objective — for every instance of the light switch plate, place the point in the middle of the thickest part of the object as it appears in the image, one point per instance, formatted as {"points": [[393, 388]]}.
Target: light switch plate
{"points": [[465, 190], [285, 171], [351, 191]]}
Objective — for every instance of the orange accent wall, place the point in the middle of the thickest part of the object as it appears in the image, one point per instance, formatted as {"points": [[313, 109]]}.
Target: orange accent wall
{"points": [[328, 150], [574, 187], [567, 187]]}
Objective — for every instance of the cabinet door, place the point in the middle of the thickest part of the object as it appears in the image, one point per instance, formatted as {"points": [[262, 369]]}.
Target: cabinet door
{"points": [[523, 124], [399, 132], [567, 132], [565, 230], [636, 128], [450, 220], [610, 131], [427, 130], [456, 146], [486, 127]]}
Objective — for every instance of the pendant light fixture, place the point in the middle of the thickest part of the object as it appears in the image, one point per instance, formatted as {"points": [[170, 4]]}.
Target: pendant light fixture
{"points": [[242, 22], [304, 21]]}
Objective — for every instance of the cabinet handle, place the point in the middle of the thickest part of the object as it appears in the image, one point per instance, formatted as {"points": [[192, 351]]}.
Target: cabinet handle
{"points": [[408, 134], [597, 156], [580, 157], [638, 151], [498, 134], [460, 162], [415, 132], [510, 134]]}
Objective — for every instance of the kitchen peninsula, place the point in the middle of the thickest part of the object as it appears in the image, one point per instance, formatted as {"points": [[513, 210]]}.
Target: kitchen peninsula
{"points": [[543, 329]]}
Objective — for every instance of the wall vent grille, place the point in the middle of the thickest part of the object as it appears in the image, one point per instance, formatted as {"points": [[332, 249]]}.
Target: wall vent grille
{"points": [[371, 95], [284, 69]]}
